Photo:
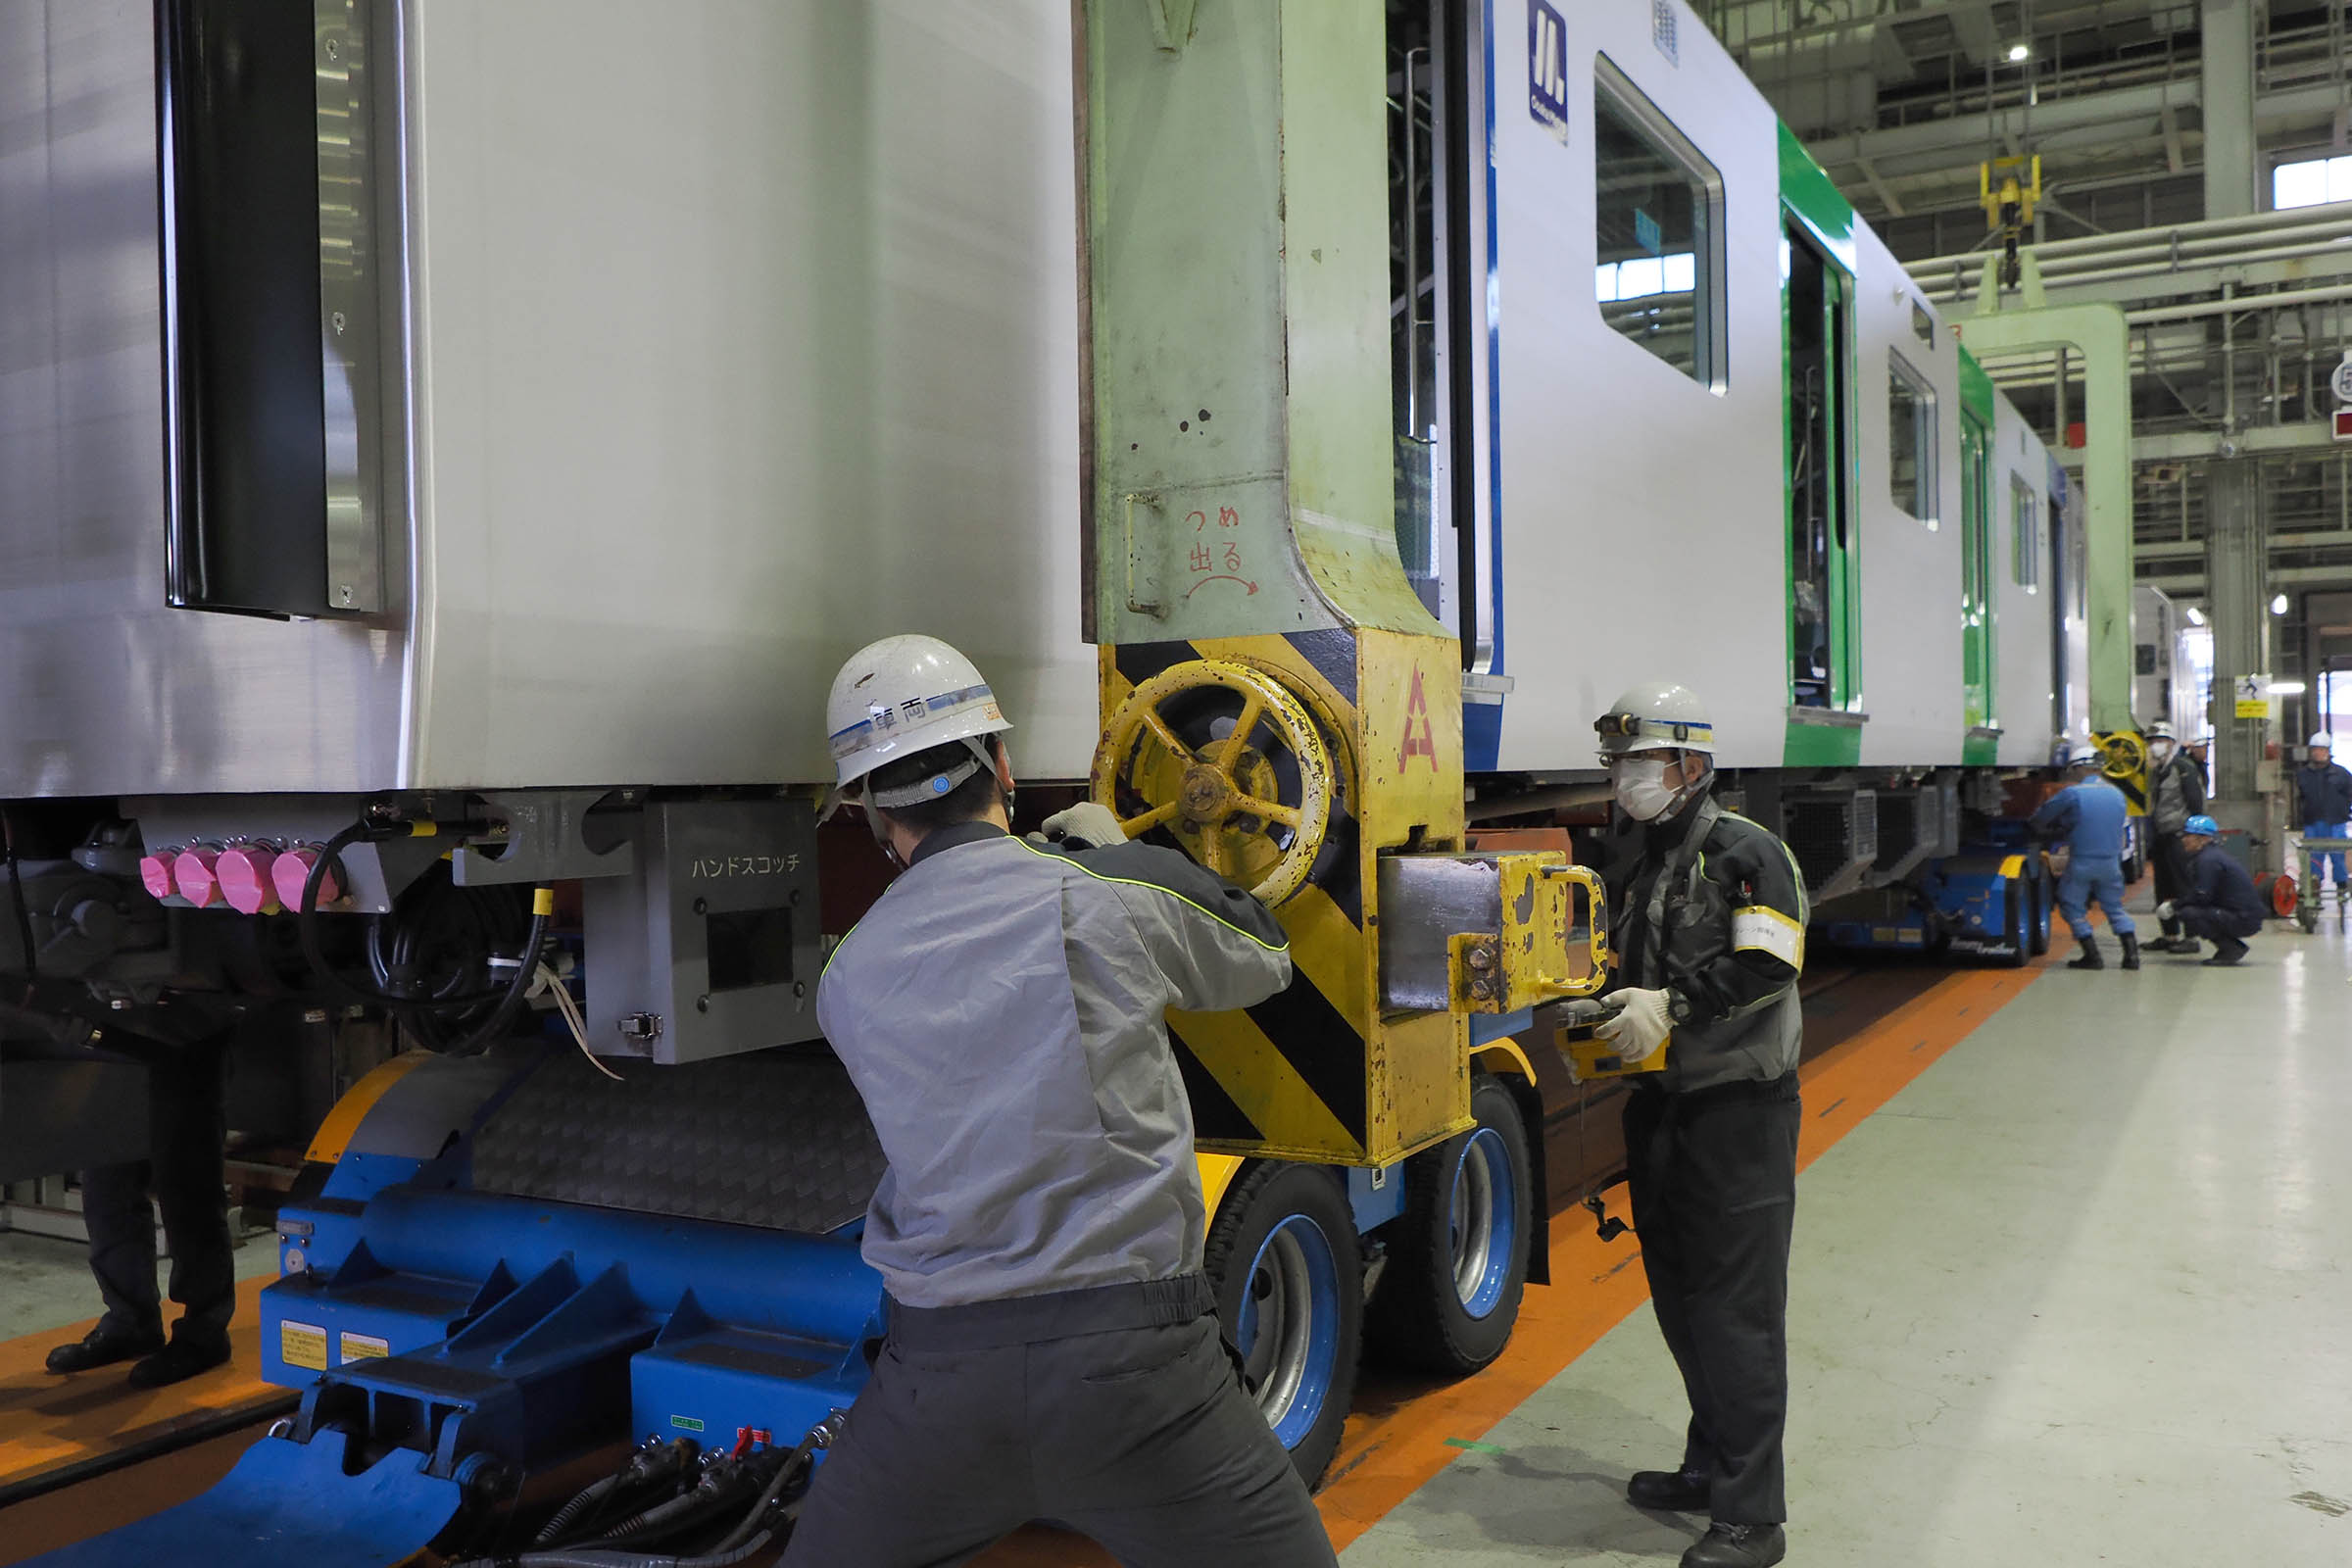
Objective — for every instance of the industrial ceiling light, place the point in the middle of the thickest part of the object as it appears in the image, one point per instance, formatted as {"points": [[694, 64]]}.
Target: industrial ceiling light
{"points": [[2196, 617], [2020, 53], [2277, 603]]}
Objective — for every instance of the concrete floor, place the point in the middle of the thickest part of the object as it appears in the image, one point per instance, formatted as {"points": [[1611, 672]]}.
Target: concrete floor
{"points": [[2081, 1294], [45, 1284]]}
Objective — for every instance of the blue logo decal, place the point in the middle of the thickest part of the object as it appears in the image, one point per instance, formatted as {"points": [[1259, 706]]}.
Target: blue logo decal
{"points": [[1548, 67]]}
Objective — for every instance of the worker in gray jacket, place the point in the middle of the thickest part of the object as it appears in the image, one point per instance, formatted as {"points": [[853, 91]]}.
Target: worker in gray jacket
{"points": [[2176, 793], [1053, 1348]]}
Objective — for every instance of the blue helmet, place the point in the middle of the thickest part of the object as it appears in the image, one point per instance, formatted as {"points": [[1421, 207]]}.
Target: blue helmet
{"points": [[2202, 826]]}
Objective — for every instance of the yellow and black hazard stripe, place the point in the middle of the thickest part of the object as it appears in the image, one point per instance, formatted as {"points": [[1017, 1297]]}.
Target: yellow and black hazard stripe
{"points": [[1291, 1075]]}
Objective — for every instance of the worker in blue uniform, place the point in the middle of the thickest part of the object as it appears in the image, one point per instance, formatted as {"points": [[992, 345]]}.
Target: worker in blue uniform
{"points": [[2220, 903], [2176, 793], [1709, 935], [2088, 816], [1053, 1348], [2324, 798]]}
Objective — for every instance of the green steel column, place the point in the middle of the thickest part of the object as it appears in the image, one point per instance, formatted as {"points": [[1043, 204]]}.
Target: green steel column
{"points": [[1236, 255], [2097, 333]]}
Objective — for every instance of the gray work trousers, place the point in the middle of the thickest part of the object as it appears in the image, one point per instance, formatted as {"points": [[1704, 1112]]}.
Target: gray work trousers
{"points": [[1140, 1437]]}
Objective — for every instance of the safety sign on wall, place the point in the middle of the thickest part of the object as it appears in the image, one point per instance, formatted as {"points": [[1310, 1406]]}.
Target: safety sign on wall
{"points": [[2253, 697], [1548, 68], [2341, 381]]}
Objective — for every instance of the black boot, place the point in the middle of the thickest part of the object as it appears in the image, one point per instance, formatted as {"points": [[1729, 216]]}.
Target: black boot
{"points": [[178, 1361], [2185, 947], [2089, 958], [104, 1347], [2131, 942], [1669, 1491], [2227, 950], [1737, 1547]]}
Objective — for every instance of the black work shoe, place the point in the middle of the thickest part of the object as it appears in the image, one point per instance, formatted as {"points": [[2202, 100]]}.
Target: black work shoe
{"points": [[1737, 1547], [2130, 952], [2227, 950], [98, 1347], [2185, 948], [2089, 958], [1669, 1491], [178, 1362]]}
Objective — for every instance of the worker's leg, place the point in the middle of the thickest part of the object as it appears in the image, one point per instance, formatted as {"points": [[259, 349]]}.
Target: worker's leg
{"points": [[188, 1127], [1145, 1440], [2109, 887], [2172, 877], [933, 1467], [1733, 1193], [1653, 1121], [2073, 899], [121, 1221]]}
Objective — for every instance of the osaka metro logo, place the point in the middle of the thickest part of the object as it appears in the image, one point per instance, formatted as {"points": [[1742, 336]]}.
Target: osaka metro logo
{"points": [[1548, 67]]}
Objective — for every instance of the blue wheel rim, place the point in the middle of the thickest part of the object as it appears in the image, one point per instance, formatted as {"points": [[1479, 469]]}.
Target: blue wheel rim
{"points": [[1482, 1226], [1289, 1335]]}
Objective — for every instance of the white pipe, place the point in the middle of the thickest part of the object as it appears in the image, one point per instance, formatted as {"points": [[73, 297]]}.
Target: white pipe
{"points": [[2242, 305]]}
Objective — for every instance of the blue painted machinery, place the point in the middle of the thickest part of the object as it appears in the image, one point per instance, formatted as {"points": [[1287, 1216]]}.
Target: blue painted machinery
{"points": [[514, 1265], [1992, 901]]}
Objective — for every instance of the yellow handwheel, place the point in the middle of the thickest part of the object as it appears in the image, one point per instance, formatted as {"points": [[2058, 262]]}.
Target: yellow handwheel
{"points": [[1222, 756], [2127, 754]]}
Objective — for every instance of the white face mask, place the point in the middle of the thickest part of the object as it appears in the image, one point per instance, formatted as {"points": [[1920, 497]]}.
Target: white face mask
{"points": [[1640, 786], [2162, 751]]}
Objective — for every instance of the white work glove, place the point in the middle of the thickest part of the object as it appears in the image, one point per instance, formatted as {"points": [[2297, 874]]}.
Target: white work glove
{"points": [[1638, 1030], [1084, 826], [2163, 911]]}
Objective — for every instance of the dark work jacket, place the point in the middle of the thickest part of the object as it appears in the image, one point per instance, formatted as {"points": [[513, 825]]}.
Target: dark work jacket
{"points": [[1711, 907], [2217, 882], [2325, 793], [2176, 793]]}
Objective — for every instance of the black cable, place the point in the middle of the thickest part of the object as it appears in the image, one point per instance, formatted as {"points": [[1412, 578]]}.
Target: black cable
{"points": [[797, 1460], [16, 894]]}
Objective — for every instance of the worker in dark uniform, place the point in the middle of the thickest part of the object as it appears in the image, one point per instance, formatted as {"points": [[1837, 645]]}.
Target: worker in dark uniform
{"points": [[2323, 801], [1054, 1347], [1709, 931], [184, 1172], [2221, 902], [2176, 793], [2089, 816]]}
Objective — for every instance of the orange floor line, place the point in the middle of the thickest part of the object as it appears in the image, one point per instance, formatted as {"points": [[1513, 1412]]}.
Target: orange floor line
{"points": [[48, 1422], [1388, 1456]]}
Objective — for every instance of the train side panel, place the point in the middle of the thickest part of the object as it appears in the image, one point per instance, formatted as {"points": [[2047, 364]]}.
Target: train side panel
{"points": [[2027, 705]]}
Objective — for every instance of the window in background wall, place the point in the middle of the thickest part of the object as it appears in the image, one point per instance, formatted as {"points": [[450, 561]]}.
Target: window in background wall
{"points": [[2199, 642], [2336, 702], [1659, 226], [2025, 534], [1911, 439], [2311, 182]]}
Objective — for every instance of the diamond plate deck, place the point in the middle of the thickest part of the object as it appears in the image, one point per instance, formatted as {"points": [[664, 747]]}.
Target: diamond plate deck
{"points": [[777, 1140]]}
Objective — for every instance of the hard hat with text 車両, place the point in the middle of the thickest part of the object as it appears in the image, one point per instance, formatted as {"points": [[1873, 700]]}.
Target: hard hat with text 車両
{"points": [[904, 695]]}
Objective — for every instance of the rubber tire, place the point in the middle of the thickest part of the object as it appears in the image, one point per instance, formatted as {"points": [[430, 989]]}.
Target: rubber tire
{"points": [[1264, 1195], [2037, 912], [2016, 909], [1417, 1320]]}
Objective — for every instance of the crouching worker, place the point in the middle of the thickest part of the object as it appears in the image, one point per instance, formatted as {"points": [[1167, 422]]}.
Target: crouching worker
{"points": [[1053, 1350], [2220, 903]]}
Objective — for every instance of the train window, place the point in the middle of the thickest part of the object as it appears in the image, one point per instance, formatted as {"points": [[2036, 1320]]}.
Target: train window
{"points": [[1658, 223], [1911, 439], [2025, 541]]}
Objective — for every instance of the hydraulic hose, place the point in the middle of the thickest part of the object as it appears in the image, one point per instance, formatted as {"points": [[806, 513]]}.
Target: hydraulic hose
{"points": [[590, 1557], [819, 1437], [587, 1497], [504, 1001]]}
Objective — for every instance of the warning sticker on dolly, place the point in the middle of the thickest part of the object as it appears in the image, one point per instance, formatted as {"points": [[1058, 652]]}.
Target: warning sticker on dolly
{"points": [[361, 1347], [302, 1345]]}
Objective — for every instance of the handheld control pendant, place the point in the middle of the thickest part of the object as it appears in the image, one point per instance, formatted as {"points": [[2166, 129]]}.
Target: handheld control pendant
{"points": [[1572, 1024]]}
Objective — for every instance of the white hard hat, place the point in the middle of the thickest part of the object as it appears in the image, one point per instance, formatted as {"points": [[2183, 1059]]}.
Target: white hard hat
{"points": [[2085, 756], [904, 695], [1656, 715], [2159, 731], [2322, 738]]}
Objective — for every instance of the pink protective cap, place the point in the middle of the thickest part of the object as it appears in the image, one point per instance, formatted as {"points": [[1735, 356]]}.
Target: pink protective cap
{"points": [[290, 869], [193, 874], [154, 871], [244, 873]]}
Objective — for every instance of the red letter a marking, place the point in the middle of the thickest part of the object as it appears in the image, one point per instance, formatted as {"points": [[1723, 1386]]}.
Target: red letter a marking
{"points": [[1418, 742]]}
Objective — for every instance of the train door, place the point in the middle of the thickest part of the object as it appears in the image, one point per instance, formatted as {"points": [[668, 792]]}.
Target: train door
{"points": [[1976, 574], [1824, 641], [2062, 594]]}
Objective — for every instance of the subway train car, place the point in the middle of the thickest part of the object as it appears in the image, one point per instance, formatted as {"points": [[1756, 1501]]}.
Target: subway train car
{"points": [[427, 483]]}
